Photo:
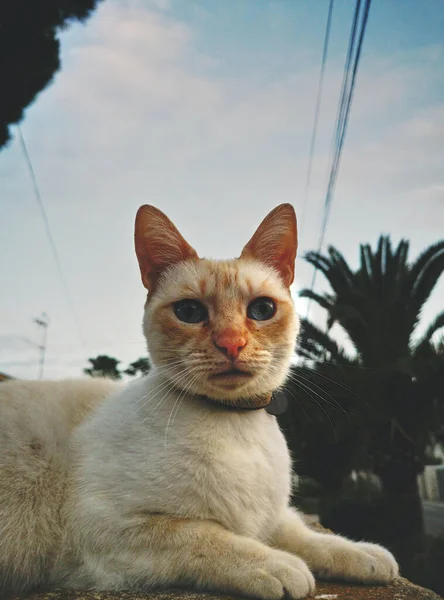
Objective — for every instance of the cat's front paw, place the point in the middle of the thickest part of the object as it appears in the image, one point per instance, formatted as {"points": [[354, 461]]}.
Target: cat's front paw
{"points": [[281, 574], [360, 562]]}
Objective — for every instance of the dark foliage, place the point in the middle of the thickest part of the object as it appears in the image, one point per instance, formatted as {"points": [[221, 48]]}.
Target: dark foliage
{"points": [[378, 307], [30, 51], [141, 365], [380, 409], [323, 424], [107, 366], [104, 366]]}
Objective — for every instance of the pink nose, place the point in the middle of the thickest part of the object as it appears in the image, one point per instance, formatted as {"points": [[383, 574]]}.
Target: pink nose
{"points": [[230, 343]]}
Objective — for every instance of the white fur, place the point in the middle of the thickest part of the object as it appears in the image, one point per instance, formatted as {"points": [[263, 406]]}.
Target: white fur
{"points": [[204, 461], [143, 457], [144, 452], [36, 422]]}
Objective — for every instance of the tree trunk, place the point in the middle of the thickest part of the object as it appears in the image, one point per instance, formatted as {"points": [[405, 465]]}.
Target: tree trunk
{"points": [[402, 508]]}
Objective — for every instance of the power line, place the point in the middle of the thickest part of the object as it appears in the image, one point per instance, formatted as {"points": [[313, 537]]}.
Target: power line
{"points": [[347, 91], [50, 236], [343, 112], [345, 88], [316, 113]]}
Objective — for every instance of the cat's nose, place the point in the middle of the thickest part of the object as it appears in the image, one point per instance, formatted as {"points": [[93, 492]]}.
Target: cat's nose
{"points": [[230, 343]]}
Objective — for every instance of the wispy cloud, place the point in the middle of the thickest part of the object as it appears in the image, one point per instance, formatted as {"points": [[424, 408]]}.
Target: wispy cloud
{"points": [[143, 112]]}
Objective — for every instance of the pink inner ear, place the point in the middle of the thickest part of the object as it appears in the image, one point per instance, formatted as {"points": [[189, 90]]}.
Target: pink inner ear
{"points": [[275, 242], [158, 244]]}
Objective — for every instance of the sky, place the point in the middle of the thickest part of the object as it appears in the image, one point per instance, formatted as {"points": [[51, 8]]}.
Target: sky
{"points": [[205, 109]]}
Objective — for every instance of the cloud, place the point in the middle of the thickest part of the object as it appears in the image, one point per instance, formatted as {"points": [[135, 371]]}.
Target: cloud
{"points": [[143, 112], [400, 173], [137, 82]]}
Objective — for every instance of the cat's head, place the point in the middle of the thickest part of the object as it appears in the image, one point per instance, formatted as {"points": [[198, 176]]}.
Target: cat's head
{"points": [[223, 329]]}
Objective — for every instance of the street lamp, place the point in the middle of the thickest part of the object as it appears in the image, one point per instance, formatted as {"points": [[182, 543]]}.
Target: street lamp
{"points": [[43, 322]]}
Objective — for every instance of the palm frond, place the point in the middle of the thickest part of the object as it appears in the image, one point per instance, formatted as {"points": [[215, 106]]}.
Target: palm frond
{"points": [[315, 341], [424, 258], [365, 272], [437, 323], [343, 314], [325, 301], [334, 275], [338, 261], [426, 279]]}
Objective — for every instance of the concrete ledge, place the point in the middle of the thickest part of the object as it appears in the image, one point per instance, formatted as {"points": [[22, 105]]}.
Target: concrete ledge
{"points": [[400, 589]]}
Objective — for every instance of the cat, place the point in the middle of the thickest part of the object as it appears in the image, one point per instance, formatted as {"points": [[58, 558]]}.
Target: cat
{"points": [[182, 477]]}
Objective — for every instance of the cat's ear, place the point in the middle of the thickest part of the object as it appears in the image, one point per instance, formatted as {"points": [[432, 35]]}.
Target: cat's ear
{"points": [[158, 245], [275, 242]]}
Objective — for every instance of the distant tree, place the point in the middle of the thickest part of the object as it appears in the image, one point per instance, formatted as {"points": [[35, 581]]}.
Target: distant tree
{"points": [[30, 51], [104, 366], [141, 365]]}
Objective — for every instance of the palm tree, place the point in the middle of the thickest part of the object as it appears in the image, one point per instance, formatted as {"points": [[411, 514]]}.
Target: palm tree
{"points": [[378, 306]]}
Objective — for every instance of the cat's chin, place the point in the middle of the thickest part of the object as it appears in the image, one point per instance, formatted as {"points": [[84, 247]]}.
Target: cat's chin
{"points": [[245, 394], [252, 389]]}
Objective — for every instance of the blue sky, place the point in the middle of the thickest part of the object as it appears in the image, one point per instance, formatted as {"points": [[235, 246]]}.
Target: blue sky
{"points": [[205, 109]]}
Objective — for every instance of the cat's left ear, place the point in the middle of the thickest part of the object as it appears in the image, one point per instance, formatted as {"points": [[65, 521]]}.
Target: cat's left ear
{"points": [[275, 242], [159, 245]]}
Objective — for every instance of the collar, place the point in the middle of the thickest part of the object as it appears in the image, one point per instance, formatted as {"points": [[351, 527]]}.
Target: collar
{"points": [[275, 404]]}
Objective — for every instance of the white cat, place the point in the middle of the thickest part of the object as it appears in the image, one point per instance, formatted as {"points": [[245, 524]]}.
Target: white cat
{"points": [[181, 477]]}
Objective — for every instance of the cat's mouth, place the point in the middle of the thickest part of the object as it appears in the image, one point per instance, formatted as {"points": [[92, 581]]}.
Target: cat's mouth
{"points": [[230, 374]]}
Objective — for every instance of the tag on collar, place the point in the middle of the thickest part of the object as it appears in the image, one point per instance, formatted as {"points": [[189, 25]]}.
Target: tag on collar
{"points": [[278, 404]]}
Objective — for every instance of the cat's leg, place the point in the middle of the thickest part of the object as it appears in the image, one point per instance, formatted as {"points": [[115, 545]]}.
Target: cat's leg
{"points": [[332, 556], [171, 551]]}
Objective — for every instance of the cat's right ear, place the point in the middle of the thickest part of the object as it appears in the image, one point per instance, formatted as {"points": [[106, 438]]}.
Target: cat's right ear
{"points": [[158, 245]]}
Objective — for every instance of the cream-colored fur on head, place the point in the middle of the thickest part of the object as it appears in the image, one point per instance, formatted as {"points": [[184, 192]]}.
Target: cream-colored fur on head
{"points": [[157, 482], [226, 288], [172, 271]]}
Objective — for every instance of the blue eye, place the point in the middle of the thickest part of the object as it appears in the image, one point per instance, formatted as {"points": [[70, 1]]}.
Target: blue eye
{"points": [[261, 309], [190, 311]]}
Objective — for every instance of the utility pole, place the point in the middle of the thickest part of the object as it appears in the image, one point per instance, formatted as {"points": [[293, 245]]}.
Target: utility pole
{"points": [[43, 322]]}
